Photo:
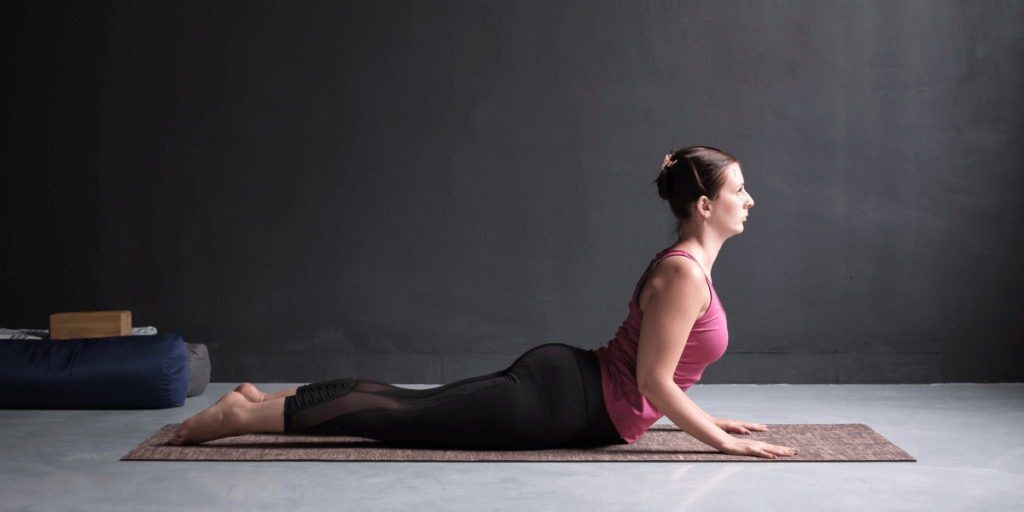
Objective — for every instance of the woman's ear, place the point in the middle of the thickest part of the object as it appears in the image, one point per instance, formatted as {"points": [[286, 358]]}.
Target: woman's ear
{"points": [[703, 206]]}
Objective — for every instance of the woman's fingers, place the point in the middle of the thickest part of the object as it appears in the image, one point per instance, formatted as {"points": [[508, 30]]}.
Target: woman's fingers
{"points": [[781, 451], [758, 449], [741, 427], [735, 426], [755, 426], [770, 451]]}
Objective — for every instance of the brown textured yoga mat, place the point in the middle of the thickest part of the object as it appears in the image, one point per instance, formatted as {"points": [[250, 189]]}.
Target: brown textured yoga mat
{"points": [[816, 443]]}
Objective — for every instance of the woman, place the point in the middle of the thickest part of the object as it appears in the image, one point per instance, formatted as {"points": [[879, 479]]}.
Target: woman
{"points": [[556, 394]]}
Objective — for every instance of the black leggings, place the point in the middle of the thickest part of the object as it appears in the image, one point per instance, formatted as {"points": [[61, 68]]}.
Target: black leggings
{"points": [[549, 397]]}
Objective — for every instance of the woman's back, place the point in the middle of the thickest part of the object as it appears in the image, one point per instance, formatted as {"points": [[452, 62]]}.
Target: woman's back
{"points": [[629, 410]]}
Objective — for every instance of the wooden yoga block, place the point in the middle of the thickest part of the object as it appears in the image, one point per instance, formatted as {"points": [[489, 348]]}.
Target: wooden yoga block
{"points": [[91, 324]]}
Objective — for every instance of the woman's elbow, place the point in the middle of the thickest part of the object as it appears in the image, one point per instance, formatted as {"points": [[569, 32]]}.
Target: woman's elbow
{"points": [[649, 387], [644, 390]]}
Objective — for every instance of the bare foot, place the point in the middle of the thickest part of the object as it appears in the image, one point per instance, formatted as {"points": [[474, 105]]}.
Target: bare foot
{"points": [[222, 419], [250, 393]]}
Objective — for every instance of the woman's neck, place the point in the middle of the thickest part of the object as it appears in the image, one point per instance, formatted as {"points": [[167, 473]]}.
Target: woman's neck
{"points": [[702, 247]]}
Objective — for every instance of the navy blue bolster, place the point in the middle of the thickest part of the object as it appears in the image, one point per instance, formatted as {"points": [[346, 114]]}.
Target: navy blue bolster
{"points": [[133, 372]]}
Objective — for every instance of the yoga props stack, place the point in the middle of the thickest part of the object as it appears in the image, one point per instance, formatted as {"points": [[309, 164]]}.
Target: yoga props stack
{"points": [[92, 362]]}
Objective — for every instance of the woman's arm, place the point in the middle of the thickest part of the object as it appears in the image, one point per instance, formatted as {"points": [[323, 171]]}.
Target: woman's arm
{"points": [[674, 297], [671, 400], [728, 424]]}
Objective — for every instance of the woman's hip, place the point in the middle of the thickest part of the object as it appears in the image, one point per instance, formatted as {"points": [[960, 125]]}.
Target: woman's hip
{"points": [[572, 376]]}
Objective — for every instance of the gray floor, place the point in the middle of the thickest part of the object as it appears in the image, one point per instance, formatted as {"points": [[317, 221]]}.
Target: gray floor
{"points": [[966, 438]]}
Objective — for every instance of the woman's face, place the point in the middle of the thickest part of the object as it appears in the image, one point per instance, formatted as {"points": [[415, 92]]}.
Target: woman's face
{"points": [[729, 209]]}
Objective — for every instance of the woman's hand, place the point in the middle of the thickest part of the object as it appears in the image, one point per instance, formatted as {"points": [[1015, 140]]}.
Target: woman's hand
{"points": [[757, 449], [737, 426]]}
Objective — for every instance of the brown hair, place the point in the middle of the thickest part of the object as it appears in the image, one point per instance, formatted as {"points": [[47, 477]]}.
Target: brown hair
{"points": [[689, 173]]}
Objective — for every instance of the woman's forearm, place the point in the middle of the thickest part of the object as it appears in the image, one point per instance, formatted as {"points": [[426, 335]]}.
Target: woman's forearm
{"points": [[678, 407], [710, 417]]}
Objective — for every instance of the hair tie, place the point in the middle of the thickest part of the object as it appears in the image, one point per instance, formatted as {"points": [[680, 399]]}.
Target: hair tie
{"points": [[668, 162]]}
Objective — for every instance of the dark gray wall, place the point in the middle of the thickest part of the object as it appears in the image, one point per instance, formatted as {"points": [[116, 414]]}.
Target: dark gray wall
{"points": [[420, 191]]}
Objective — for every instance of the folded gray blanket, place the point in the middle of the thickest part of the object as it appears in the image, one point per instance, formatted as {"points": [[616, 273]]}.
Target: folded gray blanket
{"points": [[44, 334]]}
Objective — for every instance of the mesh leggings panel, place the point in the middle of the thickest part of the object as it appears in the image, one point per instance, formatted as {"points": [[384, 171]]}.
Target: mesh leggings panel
{"points": [[544, 399]]}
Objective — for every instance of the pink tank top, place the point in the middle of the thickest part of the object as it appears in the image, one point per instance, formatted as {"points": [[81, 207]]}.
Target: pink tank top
{"points": [[629, 410]]}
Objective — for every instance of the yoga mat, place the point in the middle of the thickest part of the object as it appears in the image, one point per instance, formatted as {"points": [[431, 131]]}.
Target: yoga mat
{"points": [[816, 443]]}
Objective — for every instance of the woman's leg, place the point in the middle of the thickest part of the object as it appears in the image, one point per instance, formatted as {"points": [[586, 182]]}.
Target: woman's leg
{"points": [[247, 410], [540, 401], [231, 417], [237, 412]]}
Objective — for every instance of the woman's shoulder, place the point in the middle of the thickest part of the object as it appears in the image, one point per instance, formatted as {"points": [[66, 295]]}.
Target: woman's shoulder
{"points": [[678, 267], [675, 279]]}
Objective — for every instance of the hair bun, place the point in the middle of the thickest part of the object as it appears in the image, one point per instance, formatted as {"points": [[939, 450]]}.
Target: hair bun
{"points": [[664, 190], [664, 184]]}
